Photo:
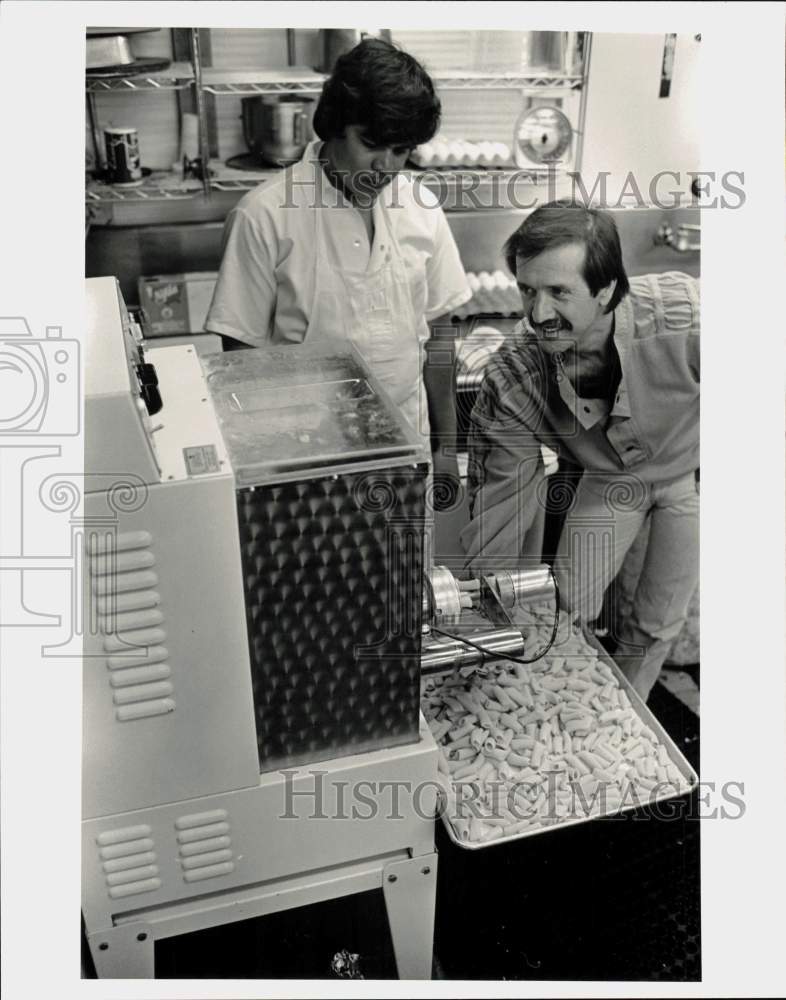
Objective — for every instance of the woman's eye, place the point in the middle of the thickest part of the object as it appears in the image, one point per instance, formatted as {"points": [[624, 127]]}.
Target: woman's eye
{"points": [[395, 150]]}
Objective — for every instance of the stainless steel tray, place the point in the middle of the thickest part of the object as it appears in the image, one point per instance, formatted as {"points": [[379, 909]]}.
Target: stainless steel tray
{"points": [[646, 716]]}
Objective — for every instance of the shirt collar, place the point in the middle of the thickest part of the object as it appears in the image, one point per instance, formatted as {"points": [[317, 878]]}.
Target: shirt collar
{"points": [[590, 411], [324, 194]]}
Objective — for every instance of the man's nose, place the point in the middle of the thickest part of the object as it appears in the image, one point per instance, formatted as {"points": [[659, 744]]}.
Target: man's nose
{"points": [[542, 309]]}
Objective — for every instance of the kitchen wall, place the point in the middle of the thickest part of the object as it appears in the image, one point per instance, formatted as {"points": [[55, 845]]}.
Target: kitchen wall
{"points": [[628, 127]]}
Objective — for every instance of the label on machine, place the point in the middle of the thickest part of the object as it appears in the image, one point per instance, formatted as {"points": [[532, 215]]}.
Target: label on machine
{"points": [[201, 460]]}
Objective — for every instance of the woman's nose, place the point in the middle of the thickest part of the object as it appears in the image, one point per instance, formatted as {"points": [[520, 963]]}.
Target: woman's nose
{"points": [[386, 161]]}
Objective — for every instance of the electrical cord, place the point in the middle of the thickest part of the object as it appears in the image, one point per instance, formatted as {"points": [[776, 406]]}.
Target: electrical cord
{"points": [[491, 655]]}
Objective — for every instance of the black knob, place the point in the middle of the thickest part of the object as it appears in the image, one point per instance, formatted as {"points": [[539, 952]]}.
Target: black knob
{"points": [[148, 383]]}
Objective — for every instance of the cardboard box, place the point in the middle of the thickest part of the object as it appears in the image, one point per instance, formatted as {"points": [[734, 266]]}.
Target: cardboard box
{"points": [[176, 303]]}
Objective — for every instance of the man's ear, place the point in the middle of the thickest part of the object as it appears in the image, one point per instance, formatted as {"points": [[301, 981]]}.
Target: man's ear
{"points": [[605, 294]]}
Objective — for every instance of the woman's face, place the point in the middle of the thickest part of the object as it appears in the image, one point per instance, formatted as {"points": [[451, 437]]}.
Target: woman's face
{"points": [[363, 168]]}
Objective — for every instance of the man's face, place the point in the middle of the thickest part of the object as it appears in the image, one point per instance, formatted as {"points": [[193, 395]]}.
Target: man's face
{"points": [[558, 304], [365, 169]]}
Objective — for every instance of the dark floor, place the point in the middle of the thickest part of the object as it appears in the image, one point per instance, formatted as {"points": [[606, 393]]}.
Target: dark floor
{"points": [[613, 899]]}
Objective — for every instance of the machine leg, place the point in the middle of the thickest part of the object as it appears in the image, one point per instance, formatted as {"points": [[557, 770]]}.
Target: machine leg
{"points": [[124, 952], [410, 889]]}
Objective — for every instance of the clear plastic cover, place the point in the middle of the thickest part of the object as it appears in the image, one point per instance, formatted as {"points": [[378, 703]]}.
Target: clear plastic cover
{"points": [[301, 407]]}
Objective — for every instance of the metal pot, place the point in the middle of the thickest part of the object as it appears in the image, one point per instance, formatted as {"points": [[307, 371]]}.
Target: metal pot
{"points": [[111, 50], [277, 129], [338, 41]]}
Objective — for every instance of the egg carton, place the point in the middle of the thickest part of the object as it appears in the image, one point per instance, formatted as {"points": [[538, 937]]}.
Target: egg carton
{"points": [[494, 293], [456, 153]]}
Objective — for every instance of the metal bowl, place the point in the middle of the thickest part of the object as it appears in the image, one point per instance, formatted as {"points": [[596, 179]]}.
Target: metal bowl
{"points": [[108, 50]]}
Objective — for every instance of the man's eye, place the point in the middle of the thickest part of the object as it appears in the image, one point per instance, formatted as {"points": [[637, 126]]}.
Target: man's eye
{"points": [[525, 291]]}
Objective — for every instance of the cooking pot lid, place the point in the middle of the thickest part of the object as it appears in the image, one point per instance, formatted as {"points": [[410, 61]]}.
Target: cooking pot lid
{"points": [[144, 65], [101, 31]]}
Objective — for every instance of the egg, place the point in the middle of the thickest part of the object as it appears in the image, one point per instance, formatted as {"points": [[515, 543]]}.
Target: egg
{"points": [[455, 152], [474, 282], [424, 154], [440, 148], [501, 154], [485, 154], [486, 281], [471, 154]]}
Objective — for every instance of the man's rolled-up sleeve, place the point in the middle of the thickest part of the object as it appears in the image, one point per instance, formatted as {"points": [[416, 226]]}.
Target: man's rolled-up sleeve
{"points": [[504, 474]]}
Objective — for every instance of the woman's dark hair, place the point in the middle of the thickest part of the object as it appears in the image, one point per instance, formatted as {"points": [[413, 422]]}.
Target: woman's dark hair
{"points": [[382, 89], [561, 222]]}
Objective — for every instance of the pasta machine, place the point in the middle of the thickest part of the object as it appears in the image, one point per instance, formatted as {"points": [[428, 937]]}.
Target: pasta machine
{"points": [[259, 611]]}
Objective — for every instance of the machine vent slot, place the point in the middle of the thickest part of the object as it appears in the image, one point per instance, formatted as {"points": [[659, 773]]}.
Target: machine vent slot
{"points": [[128, 860], [205, 845], [130, 618]]}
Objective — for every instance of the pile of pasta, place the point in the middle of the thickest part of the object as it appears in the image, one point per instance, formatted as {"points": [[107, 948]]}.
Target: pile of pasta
{"points": [[528, 747]]}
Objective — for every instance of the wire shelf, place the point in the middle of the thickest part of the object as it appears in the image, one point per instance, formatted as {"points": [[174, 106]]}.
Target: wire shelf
{"points": [[304, 81], [178, 76], [506, 81], [106, 194], [287, 80]]}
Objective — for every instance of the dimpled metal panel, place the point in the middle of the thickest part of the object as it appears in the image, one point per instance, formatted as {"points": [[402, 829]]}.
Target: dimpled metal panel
{"points": [[333, 580]]}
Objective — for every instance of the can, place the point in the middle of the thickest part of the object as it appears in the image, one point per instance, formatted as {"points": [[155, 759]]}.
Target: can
{"points": [[122, 156]]}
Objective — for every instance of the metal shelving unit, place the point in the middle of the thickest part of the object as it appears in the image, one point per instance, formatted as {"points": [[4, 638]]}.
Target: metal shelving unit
{"points": [[303, 80]]}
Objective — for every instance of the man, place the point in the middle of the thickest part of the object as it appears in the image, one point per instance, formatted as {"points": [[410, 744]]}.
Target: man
{"points": [[342, 245], [605, 371]]}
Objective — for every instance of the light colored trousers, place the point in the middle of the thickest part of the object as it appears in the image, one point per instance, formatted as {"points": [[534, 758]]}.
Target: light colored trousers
{"points": [[603, 522]]}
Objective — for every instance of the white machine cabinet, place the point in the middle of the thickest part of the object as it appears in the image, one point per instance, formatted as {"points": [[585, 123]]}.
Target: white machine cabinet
{"points": [[207, 798]]}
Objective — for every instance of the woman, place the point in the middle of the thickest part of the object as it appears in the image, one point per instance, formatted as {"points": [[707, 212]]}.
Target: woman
{"points": [[342, 245]]}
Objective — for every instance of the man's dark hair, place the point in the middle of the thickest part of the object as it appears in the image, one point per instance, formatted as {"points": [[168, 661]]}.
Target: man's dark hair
{"points": [[562, 222], [382, 89]]}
